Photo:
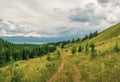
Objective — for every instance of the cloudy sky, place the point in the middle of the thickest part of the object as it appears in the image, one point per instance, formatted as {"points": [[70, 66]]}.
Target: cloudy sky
{"points": [[56, 18]]}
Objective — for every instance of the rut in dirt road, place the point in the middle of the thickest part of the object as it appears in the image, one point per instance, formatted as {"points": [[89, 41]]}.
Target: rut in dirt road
{"points": [[56, 74], [77, 75]]}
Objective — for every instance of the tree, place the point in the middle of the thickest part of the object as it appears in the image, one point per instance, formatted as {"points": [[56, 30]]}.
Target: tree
{"points": [[68, 41], [73, 50], [7, 54], [24, 54], [93, 51], [90, 35], [10, 51], [62, 45], [51, 48], [58, 54], [15, 56], [73, 40], [80, 48], [95, 33], [85, 38], [78, 40], [92, 46], [2, 59], [32, 54]]}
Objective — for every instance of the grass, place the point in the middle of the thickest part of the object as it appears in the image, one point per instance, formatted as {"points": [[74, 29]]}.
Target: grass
{"points": [[109, 33], [101, 69], [67, 74], [33, 70]]}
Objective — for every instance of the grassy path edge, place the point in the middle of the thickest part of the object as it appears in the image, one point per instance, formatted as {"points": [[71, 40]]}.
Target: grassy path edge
{"points": [[56, 74]]}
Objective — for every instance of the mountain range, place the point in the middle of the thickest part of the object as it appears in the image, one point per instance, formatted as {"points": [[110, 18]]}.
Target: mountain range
{"points": [[33, 40]]}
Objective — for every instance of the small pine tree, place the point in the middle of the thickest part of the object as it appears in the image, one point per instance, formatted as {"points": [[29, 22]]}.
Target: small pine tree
{"points": [[73, 40], [85, 38], [90, 35], [92, 47], [73, 50], [93, 51], [58, 54], [80, 48], [95, 33]]}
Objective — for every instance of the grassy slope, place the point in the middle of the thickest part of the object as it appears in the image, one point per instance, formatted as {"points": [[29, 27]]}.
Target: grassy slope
{"points": [[32, 70], [109, 33], [104, 68]]}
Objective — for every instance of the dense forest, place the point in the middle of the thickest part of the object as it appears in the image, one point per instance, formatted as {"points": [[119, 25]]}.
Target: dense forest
{"points": [[12, 52]]}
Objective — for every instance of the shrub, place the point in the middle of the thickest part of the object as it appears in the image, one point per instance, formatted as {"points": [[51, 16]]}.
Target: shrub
{"points": [[73, 50], [92, 46], [80, 48], [16, 74], [48, 57], [93, 54], [86, 47], [93, 51], [58, 54]]}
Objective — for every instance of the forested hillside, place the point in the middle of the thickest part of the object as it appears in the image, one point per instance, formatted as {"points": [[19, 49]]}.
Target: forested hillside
{"points": [[12, 52]]}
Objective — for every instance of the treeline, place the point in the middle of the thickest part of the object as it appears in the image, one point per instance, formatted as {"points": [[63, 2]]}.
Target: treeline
{"points": [[89, 36], [63, 43], [11, 52]]}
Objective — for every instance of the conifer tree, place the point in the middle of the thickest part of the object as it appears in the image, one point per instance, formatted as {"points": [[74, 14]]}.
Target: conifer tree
{"points": [[80, 48], [73, 50], [93, 51]]}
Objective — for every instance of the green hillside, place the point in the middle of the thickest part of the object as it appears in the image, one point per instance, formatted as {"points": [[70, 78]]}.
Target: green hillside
{"points": [[95, 58], [10, 52], [111, 32]]}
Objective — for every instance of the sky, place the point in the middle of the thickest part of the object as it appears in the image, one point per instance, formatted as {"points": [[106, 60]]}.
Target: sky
{"points": [[57, 18]]}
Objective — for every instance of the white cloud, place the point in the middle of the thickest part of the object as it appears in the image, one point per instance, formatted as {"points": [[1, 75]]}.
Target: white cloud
{"points": [[44, 18]]}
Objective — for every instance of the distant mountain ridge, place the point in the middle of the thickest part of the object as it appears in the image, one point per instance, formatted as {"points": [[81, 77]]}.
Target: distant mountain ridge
{"points": [[34, 40]]}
